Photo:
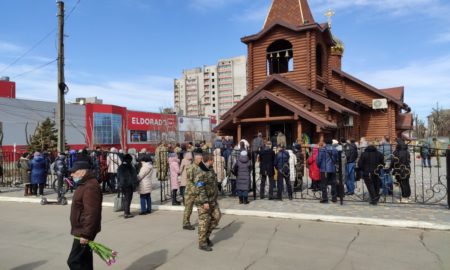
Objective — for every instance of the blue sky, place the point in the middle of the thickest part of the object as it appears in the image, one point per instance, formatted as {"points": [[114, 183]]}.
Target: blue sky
{"points": [[127, 52]]}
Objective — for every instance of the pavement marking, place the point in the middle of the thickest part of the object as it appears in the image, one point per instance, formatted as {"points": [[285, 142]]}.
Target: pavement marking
{"points": [[394, 223]]}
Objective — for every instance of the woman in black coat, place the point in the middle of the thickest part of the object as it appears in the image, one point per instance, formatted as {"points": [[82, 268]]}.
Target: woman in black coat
{"points": [[401, 166], [242, 170], [127, 176], [266, 169]]}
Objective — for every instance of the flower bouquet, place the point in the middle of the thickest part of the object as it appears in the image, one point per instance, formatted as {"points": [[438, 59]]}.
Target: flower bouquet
{"points": [[105, 253]]}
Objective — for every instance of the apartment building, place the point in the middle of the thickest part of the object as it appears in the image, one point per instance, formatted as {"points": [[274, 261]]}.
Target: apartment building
{"points": [[211, 90]]}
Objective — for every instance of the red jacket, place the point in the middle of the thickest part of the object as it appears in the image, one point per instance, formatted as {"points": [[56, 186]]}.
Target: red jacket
{"points": [[314, 171], [86, 212]]}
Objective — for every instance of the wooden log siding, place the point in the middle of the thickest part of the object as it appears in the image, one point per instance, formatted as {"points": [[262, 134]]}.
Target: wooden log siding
{"points": [[259, 56], [374, 124]]}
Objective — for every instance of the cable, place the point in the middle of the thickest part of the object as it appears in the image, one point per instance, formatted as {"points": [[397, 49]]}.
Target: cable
{"points": [[35, 69], [72, 10]]}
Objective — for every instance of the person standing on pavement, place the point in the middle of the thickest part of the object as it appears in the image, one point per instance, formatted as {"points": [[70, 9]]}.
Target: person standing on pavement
{"points": [[113, 162], [326, 161], [145, 184], [174, 166], [61, 170], [39, 171], [266, 163], [24, 168], [206, 201], [385, 148], [189, 200], [299, 168], [219, 168], [371, 163], [242, 170], [401, 166], [282, 166], [425, 154], [128, 181], [351, 152], [437, 151], [85, 216], [314, 171], [186, 162]]}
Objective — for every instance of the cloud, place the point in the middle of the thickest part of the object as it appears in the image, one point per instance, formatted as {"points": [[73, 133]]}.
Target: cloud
{"points": [[443, 37], [426, 82], [393, 7], [204, 5], [6, 47]]}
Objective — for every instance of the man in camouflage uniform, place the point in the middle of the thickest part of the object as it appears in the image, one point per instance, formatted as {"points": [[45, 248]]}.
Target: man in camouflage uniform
{"points": [[189, 197], [206, 191], [161, 161]]}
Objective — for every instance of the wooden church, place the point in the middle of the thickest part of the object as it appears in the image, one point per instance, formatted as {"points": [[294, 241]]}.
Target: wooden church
{"points": [[296, 85]]}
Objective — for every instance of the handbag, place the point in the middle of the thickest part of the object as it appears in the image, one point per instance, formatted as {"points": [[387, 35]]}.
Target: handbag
{"points": [[118, 203]]}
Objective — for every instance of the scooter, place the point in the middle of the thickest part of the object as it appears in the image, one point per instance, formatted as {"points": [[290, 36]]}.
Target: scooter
{"points": [[62, 200]]}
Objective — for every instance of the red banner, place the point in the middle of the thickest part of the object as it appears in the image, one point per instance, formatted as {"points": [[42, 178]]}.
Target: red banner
{"points": [[151, 121]]}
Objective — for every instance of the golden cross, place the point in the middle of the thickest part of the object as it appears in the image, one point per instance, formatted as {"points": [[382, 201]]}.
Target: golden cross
{"points": [[329, 14]]}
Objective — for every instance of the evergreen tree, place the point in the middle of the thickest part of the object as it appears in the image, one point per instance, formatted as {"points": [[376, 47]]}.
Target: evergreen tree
{"points": [[45, 137]]}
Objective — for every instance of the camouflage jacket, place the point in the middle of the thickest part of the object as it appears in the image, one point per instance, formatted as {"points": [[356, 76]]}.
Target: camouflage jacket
{"points": [[190, 177], [206, 187]]}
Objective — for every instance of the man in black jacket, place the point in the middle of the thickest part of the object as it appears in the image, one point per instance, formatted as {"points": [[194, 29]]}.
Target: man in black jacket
{"points": [[370, 164], [266, 160], [351, 153]]}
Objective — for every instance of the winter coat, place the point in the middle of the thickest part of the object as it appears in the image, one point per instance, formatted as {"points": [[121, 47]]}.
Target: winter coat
{"points": [[351, 152], [281, 140], [300, 166], [60, 166], [242, 170], [228, 144], [282, 162], [218, 144], [24, 166], [314, 171], [185, 163], [371, 161], [219, 165], [425, 150], [86, 211], [174, 165], [292, 163], [401, 163], [257, 144], [327, 159], [39, 169], [127, 176], [232, 159], [113, 162], [386, 150], [266, 162], [145, 178], [161, 165]]}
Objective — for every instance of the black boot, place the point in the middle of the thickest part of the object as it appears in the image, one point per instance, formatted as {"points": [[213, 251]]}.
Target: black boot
{"points": [[174, 197], [241, 200], [246, 200]]}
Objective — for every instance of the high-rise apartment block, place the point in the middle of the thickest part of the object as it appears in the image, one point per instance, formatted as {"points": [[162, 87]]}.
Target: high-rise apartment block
{"points": [[211, 90]]}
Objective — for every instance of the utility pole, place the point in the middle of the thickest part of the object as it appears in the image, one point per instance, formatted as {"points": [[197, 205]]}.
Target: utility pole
{"points": [[61, 80]]}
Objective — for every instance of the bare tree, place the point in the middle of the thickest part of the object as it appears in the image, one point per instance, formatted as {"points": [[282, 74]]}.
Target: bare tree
{"points": [[439, 122], [419, 127]]}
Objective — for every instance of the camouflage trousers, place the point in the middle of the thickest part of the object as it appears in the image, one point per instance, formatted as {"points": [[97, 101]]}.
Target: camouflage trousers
{"points": [[189, 200], [207, 221]]}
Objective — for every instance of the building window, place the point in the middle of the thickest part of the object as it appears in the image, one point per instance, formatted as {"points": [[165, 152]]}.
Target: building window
{"points": [[137, 136], [107, 128], [213, 74], [280, 57], [214, 111], [213, 87], [319, 60]]}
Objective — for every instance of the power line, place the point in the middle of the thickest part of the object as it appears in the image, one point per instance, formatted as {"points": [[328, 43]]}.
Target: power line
{"points": [[20, 57], [35, 69]]}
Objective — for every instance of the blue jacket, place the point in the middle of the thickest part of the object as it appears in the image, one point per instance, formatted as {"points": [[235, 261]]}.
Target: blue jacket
{"points": [[39, 168], [327, 159], [282, 161]]}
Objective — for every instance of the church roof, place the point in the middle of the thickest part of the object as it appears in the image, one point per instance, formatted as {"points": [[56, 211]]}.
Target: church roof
{"points": [[396, 92], [293, 12], [278, 78], [280, 100], [296, 28], [375, 90]]}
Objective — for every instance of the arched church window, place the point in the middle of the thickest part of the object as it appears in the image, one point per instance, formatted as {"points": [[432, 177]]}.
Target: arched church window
{"points": [[280, 57], [319, 60]]}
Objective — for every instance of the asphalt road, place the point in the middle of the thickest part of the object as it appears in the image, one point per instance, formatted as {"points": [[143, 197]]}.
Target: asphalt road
{"points": [[37, 237]]}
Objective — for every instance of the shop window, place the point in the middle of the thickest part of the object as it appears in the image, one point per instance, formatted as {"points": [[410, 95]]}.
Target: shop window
{"points": [[107, 128], [137, 136]]}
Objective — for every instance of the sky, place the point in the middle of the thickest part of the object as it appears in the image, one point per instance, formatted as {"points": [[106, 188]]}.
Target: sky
{"points": [[127, 52]]}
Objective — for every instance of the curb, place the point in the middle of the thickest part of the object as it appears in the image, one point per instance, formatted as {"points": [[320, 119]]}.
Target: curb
{"points": [[393, 223]]}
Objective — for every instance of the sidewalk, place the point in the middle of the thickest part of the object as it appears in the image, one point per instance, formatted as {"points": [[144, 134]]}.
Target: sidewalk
{"points": [[433, 217]]}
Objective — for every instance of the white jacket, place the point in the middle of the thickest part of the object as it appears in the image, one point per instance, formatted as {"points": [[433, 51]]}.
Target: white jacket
{"points": [[145, 177], [292, 163], [113, 162]]}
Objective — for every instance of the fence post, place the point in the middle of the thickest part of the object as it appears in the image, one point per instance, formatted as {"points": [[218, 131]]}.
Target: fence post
{"points": [[341, 180], [448, 176], [254, 174]]}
